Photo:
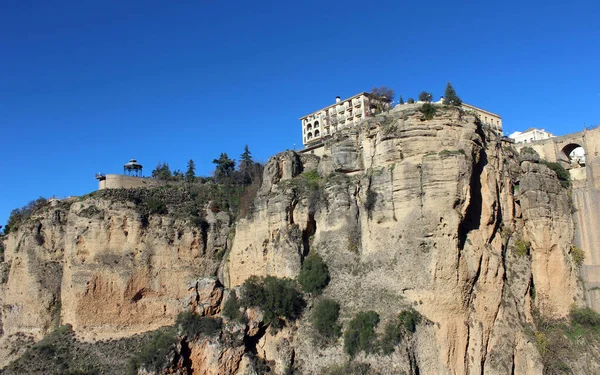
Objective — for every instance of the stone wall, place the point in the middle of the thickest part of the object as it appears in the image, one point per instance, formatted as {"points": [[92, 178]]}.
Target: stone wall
{"points": [[117, 181]]}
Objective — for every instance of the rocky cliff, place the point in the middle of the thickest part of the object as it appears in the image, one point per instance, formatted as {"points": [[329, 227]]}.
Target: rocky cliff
{"points": [[438, 215]]}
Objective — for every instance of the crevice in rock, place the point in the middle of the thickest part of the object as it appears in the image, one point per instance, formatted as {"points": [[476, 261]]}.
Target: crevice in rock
{"points": [[472, 219], [250, 342], [498, 218], [185, 357], [412, 360], [421, 189], [392, 167], [307, 233]]}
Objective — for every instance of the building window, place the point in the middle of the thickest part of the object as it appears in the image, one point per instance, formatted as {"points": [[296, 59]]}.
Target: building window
{"points": [[316, 126], [317, 133], [309, 136]]}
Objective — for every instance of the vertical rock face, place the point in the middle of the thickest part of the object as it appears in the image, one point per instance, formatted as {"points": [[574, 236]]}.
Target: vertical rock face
{"points": [[405, 212], [98, 266]]}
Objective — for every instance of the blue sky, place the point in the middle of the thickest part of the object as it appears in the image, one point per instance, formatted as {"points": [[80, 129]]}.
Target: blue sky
{"points": [[85, 86]]}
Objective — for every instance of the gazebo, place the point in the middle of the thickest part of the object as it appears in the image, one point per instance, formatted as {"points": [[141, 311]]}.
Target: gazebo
{"points": [[133, 168]]}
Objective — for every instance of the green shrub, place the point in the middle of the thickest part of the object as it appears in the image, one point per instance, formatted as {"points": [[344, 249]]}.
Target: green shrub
{"points": [[522, 248], [563, 175], [314, 274], [325, 319], [231, 307], [578, 255], [277, 298], [312, 175], [360, 334], [192, 325], [585, 316], [428, 110], [156, 206], [404, 325], [153, 355]]}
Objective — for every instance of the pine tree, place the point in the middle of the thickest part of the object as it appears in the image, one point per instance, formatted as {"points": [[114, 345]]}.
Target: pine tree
{"points": [[245, 168], [225, 167], [246, 157], [190, 174], [450, 97], [401, 100]]}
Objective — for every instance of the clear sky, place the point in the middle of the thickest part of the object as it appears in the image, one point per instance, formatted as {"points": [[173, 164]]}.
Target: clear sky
{"points": [[86, 85]]}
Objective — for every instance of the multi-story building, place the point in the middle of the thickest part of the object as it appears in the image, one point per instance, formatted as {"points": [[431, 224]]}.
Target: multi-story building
{"points": [[349, 112], [531, 135], [488, 118], [343, 114]]}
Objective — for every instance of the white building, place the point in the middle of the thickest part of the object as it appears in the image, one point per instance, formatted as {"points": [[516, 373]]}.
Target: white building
{"points": [[531, 135], [343, 114]]}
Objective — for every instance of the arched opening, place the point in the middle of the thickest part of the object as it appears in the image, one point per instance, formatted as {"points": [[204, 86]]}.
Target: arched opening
{"points": [[309, 136], [317, 133], [308, 127], [316, 126], [573, 154]]}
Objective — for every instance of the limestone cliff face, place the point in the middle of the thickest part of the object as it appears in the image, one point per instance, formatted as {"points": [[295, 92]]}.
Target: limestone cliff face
{"points": [[98, 266], [407, 212]]}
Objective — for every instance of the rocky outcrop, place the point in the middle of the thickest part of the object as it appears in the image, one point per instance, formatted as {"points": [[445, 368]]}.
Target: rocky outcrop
{"points": [[406, 212]]}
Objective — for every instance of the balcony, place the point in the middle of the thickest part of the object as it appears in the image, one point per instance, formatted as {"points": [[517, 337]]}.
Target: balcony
{"points": [[357, 104], [340, 109]]}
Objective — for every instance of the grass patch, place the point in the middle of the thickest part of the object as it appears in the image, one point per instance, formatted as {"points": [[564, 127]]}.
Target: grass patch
{"points": [[522, 248], [578, 255], [445, 153]]}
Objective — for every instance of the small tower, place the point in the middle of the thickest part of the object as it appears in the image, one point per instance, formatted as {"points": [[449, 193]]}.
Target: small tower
{"points": [[133, 168]]}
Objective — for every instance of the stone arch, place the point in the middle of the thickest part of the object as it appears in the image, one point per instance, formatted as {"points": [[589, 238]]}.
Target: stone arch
{"points": [[309, 136], [573, 153], [317, 133], [309, 127], [316, 125]]}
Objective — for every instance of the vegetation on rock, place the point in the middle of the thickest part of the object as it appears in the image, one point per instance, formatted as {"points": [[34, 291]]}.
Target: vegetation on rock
{"points": [[192, 325], [404, 325], [19, 215], [231, 307], [325, 320], [450, 97], [428, 110], [425, 96], [279, 299], [360, 334], [314, 274]]}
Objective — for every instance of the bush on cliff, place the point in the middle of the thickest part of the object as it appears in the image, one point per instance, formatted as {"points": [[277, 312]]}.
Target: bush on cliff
{"points": [[278, 299], [563, 175], [360, 334], [153, 355], [428, 110], [192, 325], [325, 320], [19, 215], [314, 274], [404, 325], [231, 307]]}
